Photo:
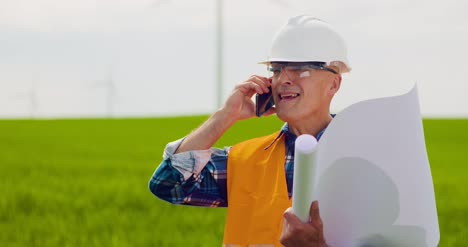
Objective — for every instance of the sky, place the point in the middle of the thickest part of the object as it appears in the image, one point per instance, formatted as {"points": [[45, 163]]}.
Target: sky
{"points": [[98, 58]]}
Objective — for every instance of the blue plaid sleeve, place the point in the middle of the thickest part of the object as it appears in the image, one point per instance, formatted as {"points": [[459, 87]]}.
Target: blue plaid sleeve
{"points": [[206, 189]]}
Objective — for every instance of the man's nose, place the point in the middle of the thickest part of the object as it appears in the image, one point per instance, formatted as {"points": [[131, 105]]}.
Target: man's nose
{"points": [[284, 77]]}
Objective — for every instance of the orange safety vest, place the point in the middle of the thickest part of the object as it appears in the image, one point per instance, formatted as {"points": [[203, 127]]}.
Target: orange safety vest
{"points": [[257, 193]]}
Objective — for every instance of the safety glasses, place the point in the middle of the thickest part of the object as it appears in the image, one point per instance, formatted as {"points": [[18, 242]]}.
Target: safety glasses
{"points": [[296, 70]]}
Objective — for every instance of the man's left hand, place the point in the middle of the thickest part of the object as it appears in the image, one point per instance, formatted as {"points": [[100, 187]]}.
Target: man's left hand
{"points": [[299, 234]]}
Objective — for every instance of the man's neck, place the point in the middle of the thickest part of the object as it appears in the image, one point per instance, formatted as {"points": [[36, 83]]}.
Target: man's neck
{"points": [[311, 126]]}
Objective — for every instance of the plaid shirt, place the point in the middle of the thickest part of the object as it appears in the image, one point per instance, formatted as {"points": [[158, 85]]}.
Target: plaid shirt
{"points": [[199, 177]]}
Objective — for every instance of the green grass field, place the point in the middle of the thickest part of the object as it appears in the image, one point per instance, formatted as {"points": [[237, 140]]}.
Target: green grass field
{"points": [[85, 182]]}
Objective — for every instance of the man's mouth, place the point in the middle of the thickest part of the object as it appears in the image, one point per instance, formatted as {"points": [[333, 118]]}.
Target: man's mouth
{"points": [[287, 96]]}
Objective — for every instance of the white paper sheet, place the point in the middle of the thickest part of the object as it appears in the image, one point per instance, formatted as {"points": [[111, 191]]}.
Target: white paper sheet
{"points": [[373, 180]]}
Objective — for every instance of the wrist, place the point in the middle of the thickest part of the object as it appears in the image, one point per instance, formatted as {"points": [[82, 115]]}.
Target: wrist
{"points": [[224, 119], [227, 117]]}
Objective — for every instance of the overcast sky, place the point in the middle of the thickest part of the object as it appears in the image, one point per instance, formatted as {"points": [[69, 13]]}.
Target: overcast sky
{"points": [[57, 57]]}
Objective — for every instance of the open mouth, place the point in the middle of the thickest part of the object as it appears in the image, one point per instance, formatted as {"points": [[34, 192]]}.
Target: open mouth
{"points": [[288, 96]]}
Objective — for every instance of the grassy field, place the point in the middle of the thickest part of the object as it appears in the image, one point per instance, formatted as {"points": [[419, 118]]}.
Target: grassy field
{"points": [[84, 182]]}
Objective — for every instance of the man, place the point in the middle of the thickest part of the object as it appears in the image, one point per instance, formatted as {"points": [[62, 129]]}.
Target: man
{"points": [[254, 178]]}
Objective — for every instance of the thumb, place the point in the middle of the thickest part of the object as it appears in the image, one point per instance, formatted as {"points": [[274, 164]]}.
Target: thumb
{"points": [[316, 221], [314, 213]]}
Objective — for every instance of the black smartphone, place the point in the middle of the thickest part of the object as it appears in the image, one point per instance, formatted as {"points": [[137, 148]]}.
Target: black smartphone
{"points": [[263, 102]]}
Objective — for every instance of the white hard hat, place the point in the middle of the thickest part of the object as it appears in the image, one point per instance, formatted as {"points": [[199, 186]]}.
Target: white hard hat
{"points": [[308, 39]]}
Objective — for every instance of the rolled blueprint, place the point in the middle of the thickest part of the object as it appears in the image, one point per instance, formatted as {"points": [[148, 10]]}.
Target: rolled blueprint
{"points": [[304, 168]]}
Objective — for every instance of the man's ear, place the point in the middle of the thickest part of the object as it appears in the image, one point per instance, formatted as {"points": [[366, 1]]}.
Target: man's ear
{"points": [[335, 85]]}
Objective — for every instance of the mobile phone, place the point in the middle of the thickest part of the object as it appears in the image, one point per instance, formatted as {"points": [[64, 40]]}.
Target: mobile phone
{"points": [[263, 102]]}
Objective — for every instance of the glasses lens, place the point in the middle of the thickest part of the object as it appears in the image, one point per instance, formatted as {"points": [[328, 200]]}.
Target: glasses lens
{"points": [[274, 69]]}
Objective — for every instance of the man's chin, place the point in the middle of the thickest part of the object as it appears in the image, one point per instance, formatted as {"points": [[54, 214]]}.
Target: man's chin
{"points": [[284, 115]]}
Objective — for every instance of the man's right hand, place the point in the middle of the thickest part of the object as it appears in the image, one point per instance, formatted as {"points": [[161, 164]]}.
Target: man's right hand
{"points": [[239, 105]]}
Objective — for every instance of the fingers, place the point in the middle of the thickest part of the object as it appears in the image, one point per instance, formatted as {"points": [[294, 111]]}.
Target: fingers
{"points": [[255, 84], [285, 230], [290, 225], [262, 82], [291, 218], [297, 233]]}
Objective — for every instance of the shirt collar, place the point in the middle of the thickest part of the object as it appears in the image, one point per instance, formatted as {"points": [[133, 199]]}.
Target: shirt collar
{"points": [[291, 137]]}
